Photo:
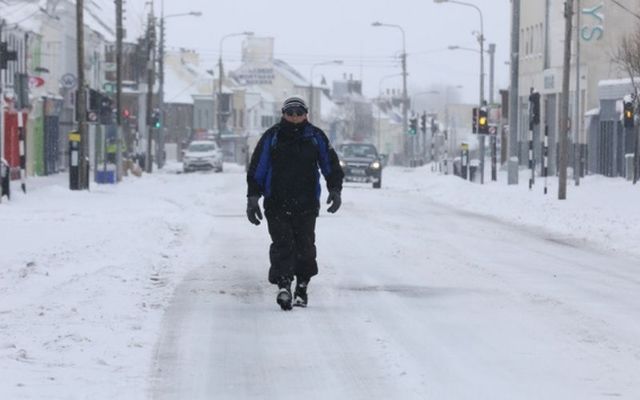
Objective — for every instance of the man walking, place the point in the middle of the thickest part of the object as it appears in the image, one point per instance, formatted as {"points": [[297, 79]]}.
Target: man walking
{"points": [[284, 169]]}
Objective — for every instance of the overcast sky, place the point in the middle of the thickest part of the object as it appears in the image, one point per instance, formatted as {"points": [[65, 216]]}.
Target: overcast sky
{"points": [[309, 32]]}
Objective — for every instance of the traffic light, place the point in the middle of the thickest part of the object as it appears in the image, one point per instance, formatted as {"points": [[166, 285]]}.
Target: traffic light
{"points": [[413, 126], [474, 123], [6, 55], [534, 110], [156, 121], [106, 110], [483, 121], [628, 114], [423, 122]]}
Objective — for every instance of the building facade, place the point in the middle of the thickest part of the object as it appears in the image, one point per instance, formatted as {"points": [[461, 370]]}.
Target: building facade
{"points": [[599, 27]]}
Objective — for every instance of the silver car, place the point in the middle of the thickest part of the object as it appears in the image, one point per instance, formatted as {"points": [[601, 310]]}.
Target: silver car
{"points": [[202, 155]]}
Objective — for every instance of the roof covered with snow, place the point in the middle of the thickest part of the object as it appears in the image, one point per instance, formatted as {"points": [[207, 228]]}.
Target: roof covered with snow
{"points": [[184, 77], [29, 15]]}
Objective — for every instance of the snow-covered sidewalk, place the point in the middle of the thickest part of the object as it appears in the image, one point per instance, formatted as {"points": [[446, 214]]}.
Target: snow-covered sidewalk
{"points": [[602, 211], [85, 278]]}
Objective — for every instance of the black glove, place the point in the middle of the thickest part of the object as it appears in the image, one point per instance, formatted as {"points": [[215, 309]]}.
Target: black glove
{"points": [[253, 210], [334, 200]]}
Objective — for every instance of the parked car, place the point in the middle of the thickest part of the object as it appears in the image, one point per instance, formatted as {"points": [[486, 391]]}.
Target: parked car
{"points": [[361, 163], [202, 155]]}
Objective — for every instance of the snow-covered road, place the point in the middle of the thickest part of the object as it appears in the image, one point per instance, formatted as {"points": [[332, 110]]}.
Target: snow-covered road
{"points": [[415, 300], [430, 288]]}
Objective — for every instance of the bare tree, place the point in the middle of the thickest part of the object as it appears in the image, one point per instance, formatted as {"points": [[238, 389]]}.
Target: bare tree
{"points": [[628, 58]]}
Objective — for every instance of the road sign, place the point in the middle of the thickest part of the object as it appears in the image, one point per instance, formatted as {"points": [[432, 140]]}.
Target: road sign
{"points": [[69, 81], [35, 81], [109, 87], [92, 116]]}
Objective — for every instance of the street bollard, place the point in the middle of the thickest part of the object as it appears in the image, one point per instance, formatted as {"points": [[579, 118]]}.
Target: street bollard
{"points": [[465, 161], [74, 162], [5, 179]]}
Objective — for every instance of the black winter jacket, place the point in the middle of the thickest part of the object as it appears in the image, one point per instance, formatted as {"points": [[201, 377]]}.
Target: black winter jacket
{"points": [[286, 164]]}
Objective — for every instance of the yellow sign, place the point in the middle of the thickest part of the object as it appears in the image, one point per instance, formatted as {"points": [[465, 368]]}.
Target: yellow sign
{"points": [[464, 146], [74, 137]]}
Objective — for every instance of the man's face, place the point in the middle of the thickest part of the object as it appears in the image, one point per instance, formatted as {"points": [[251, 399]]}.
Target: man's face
{"points": [[295, 115]]}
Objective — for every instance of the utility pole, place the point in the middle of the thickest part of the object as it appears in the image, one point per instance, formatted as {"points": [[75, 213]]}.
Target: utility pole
{"points": [[83, 164], [493, 137], [492, 58], [482, 99], [513, 93], [151, 71], [564, 110], [1, 108], [405, 105], [218, 100], [119, 38], [161, 138], [576, 141]]}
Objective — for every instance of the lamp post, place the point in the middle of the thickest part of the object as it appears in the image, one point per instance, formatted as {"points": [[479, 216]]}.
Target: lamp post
{"points": [[491, 52], [221, 77], [405, 99], [160, 158], [481, 102], [311, 96]]}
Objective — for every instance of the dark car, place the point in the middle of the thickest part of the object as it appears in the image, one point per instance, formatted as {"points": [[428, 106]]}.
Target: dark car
{"points": [[361, 163]]}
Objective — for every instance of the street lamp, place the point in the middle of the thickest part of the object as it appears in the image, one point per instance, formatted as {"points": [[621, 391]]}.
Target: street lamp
{"points": [[405, 99], [491, 52], [481, 102], [463, 48], [332, 62], [221, 76]]}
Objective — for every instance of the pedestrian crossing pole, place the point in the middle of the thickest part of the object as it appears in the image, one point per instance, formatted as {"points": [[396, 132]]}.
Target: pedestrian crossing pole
{"points": [[531, 164], [23, 152], [545, 160], [534, 119]]}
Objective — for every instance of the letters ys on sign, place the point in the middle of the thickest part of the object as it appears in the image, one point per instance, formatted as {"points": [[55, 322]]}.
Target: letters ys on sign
{"points": [[593, 29]]}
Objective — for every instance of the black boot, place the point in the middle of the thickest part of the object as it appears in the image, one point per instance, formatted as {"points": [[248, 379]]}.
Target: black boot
{"points": [[284, 293], [300, 295]]}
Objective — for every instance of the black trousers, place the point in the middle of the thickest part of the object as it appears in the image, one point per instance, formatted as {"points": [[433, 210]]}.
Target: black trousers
{"points": [[293, 248]]}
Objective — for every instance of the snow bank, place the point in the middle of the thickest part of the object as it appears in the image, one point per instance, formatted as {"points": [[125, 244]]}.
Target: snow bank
{"points": [[602, 211]]}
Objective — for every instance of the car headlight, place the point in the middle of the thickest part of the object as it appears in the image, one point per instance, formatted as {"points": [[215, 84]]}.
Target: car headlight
{"points": [[343, 164], [375, 165]]}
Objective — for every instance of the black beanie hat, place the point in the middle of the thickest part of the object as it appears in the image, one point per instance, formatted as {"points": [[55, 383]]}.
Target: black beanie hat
{"points": [[294, 102]]}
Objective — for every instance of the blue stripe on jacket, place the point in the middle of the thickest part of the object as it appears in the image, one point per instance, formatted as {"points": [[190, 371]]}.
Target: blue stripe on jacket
{"points": [[263, 170]]}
